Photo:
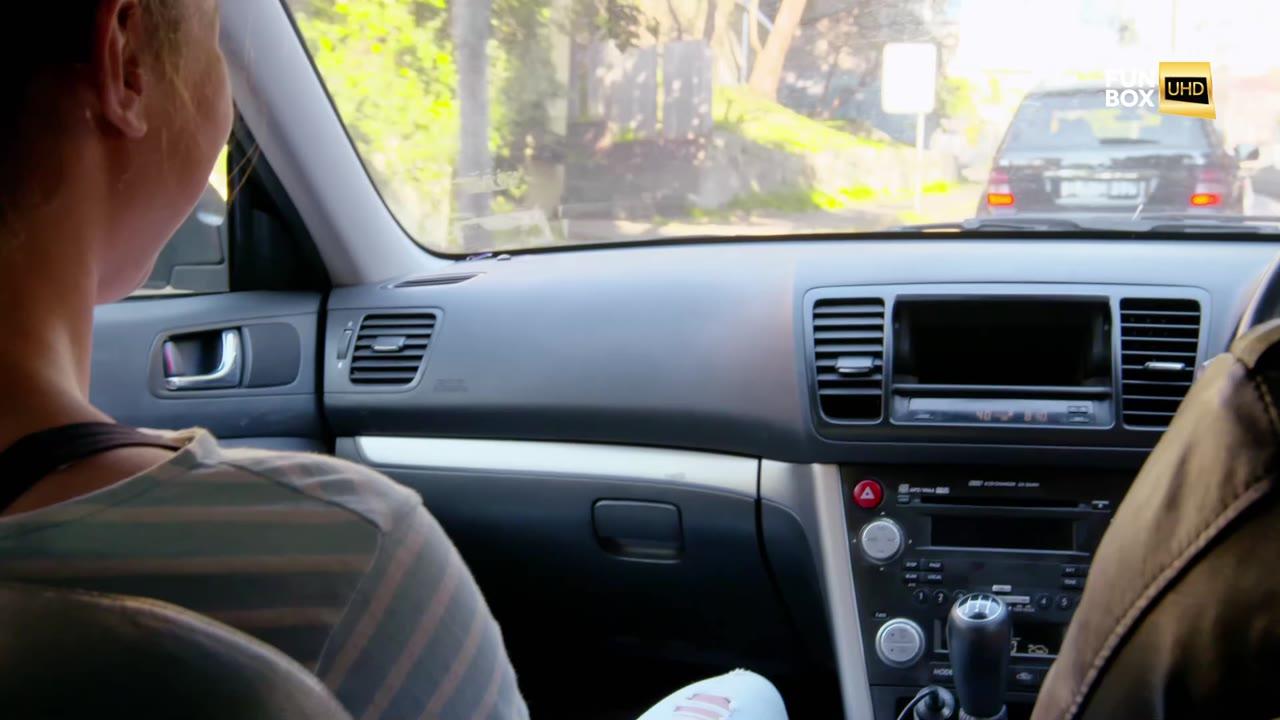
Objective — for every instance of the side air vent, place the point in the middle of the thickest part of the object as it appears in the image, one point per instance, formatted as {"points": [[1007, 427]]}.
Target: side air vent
{"points": [[434, 280], [1159, 344], [389, 348], [848, 351]]}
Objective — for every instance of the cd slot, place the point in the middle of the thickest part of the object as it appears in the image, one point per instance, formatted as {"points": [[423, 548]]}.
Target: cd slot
{"points": [[1021, 504], [1003, 391]]}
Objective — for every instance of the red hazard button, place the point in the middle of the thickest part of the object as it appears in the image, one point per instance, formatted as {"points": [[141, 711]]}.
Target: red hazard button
{"points": [[868, 494]]}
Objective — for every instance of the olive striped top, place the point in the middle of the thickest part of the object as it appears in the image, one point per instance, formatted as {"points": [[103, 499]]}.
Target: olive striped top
{"points": [[334, 564]]}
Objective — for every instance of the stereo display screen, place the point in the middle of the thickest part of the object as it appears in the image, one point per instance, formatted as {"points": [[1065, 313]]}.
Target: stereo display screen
{"points": [[1003, 341]]}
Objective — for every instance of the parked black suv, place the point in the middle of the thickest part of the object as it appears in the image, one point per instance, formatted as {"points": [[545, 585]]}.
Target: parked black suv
{"points": [[1067, 152]]}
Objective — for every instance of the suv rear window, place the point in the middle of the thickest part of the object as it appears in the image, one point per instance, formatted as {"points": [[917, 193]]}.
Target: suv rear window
{"points": [[1082, 121]]}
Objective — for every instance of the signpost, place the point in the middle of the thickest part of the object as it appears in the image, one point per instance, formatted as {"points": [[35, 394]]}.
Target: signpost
{"points": [[909, 86]]}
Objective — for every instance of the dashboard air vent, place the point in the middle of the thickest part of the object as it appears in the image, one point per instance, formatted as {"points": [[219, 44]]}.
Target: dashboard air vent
{"points": [[434, 280], [848, 350], [1159, 344], [389, 348]]}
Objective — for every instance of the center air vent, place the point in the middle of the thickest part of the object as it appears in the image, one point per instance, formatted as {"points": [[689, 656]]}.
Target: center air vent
{"points": [[848, 350], [1159, 347], [389, 348]]}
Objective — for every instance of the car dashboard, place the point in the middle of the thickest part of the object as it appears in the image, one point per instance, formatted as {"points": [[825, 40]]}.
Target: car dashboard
{"points": [[789, 454]]}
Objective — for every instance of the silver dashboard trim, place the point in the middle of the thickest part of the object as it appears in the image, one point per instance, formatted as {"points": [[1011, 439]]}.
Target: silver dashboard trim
{"points": [[684, 468], [813, 494]]}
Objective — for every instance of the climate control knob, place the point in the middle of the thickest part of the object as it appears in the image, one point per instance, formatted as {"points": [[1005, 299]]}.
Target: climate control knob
{"points": [[881, 540], [900, 643]]}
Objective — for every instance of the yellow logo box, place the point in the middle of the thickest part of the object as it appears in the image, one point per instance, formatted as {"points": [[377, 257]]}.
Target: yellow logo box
{"points": [[1186, 88]]}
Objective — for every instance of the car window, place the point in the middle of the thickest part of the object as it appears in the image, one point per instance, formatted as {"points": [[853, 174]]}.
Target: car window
{"points": [[1082, 122], [195, 258]]}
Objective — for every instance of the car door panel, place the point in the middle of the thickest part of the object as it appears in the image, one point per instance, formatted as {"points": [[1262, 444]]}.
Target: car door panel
{"points": [[274, 398]]}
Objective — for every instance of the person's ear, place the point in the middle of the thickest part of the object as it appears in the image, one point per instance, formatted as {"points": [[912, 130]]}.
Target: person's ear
{"points": [[118, 66]]}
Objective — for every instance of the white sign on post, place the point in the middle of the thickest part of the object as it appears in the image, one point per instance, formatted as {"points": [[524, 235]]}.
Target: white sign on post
{"points": [[909, 86], [909, 78]]}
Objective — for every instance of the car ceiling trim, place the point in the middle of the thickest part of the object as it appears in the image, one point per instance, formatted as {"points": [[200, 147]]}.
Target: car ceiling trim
{"points": [[812, 493], [721, 473]]}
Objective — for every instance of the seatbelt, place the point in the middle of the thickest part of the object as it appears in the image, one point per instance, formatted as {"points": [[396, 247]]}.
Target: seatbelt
{"points": [[34, 457]]}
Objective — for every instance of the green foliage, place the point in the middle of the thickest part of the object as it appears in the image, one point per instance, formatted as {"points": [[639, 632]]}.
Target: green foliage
{"points": [[389, 67], [618, 20], [742, 112], [955, 96]]}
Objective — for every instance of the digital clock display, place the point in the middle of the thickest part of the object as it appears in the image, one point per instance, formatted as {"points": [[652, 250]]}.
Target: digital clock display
{"points": [[998, 411]]}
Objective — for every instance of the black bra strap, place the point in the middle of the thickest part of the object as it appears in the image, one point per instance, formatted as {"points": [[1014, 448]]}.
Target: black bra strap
{"points": [[31, 459]]}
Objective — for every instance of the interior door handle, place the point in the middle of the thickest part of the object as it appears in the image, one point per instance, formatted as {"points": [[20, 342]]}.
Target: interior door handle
{"points": [[225, 375]]}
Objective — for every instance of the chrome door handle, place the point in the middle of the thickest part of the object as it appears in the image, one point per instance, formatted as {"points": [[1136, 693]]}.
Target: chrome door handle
{"points": [[226, 375]]}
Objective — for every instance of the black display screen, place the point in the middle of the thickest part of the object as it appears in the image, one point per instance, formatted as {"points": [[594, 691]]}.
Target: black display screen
{"points": [[996, 342], [1005, 533]]}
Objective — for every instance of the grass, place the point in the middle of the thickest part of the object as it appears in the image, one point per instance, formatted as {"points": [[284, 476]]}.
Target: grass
{"points": [[800, 200], [740, 111]]}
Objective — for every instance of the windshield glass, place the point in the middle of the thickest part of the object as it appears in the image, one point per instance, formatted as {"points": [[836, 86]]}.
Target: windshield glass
{"points": [[508, 124]]}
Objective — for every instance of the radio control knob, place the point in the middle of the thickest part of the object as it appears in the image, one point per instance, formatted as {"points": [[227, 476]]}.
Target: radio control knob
{"points": [[900, 643], [881, 540]]}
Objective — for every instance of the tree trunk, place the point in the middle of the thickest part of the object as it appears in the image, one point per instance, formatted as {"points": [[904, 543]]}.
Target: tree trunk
{"points": [[709, 27], [767, 73], [675, 20], [753, 12], [471, 31]]}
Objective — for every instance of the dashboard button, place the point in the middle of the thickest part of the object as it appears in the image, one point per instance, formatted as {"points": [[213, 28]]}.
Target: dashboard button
{"points": [[920, 596], [1044, 602], [932, 578], [1027, 677], [868, 494], [881, 540], [941, 673], [933, 565], [940, 597], [1064, 602], [910, 577], [910, 564], [900, 643], [1072, 583]]}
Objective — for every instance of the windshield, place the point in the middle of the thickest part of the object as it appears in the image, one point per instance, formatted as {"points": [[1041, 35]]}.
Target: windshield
{"points": [[508, 124]]}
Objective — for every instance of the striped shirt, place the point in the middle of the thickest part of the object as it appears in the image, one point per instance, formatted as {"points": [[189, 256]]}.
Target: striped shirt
{"points": [[329, 561]]}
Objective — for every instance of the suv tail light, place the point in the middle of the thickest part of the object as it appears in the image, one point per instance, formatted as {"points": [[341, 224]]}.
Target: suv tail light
{"points": [[1210, 184], [999, 192]]}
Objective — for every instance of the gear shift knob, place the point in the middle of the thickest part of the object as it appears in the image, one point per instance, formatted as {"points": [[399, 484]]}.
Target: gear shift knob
{"points": [[978, 636]]}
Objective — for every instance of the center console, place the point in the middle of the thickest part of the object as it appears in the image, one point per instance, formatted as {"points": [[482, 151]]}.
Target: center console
{"points": [[921, 538], [1065, 368]]}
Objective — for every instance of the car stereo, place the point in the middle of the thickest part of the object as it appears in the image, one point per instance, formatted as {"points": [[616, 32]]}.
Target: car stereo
{"points": [[1002, 361], [921, 537]]}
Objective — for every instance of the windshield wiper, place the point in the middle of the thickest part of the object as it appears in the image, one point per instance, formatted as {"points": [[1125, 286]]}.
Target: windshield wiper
{"points": [[1193, 222], [1013, 224], [1127, 141], [1159, 222]]}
